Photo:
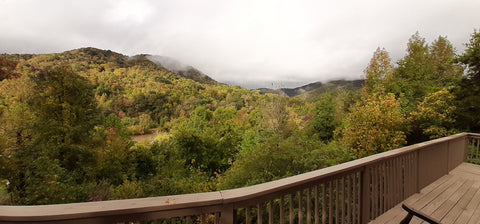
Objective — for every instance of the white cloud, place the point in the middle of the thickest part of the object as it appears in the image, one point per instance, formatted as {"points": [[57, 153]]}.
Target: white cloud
{"points": [[247, 42], [129, 12]]}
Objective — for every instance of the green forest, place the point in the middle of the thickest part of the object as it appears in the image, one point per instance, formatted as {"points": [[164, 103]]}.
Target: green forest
{"points": [[67, 121]]}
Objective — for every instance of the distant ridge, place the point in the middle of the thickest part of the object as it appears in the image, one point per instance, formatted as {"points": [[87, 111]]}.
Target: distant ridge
{"points": [[96, 55], [316, 87]]}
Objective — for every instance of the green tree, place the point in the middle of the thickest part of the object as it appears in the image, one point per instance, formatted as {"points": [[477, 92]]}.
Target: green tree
{"points": [[277, 158], [114, 162], [442, 57], [65, 106], [59, 134], [145, 122], [471, 57], [324, 120], [208, 141], [414, 76], [468, 90]]}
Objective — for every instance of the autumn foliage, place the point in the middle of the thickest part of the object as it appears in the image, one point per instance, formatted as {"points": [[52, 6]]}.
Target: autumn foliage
{"points": [[67, 121]]}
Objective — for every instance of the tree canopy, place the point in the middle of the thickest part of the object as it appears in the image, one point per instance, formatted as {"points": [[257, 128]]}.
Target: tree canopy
{"points": [[67, 122]]}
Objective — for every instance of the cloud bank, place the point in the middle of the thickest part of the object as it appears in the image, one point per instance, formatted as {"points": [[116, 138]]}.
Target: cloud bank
{"points": [[249, 43]]}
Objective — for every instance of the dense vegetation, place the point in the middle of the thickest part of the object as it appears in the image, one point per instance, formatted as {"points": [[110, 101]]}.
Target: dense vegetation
{"points": [[66, 122]]}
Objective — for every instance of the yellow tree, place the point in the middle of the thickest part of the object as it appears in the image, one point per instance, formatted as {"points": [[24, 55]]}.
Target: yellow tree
{"points": [[374, 125], [433, 117]]}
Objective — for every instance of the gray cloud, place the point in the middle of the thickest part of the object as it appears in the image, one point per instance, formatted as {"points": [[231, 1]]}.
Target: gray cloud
{"points": [[249, 43]]}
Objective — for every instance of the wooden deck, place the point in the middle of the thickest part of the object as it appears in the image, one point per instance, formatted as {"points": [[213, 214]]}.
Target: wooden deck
{"points": [[454, 198], [352, 192]]}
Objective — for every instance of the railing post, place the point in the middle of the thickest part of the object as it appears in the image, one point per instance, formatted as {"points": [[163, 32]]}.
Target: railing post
{"points": [[466, 143], [417, 171], [227, 215], [365, 196]]}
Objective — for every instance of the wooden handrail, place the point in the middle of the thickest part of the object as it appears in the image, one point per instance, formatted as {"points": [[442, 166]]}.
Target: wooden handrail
{"points": [[223, 203]]}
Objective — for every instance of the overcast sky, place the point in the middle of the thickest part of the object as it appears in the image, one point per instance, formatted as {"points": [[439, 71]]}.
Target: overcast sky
{"points": [[252, 43]]}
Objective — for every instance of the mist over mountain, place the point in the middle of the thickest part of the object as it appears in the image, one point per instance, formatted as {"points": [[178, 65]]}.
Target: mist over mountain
{"points": [[190, 72], [180, 68]]}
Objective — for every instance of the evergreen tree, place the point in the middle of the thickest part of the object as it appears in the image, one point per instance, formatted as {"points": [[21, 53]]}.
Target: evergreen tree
{"points": [[324, 120], [471, 57], [468, 91]]}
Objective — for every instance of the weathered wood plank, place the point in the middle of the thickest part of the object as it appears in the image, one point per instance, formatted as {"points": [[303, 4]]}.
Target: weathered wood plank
{"points": [[447, 206], [454, 198], [471, 208], [461, 205], [439, 200]]}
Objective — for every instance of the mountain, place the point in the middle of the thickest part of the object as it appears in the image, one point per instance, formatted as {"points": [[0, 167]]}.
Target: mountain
{"points": [[316, 88], [178, 67]]}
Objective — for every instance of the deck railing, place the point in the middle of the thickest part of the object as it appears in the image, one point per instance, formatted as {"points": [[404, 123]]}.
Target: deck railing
{"points": [[352, 192]]}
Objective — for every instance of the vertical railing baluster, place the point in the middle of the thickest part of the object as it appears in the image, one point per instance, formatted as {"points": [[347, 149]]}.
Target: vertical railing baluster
{"points": [[349, 197], [282, 218], [469, 149], [342, 202], [413, 162], [365, 198], [352, 200], [392, 183], [381, 170], [247, 215], [403, 179], [217, 217], [309, 207], [291, 209], [354, 197], [387, 184], [474, 150], [259, 213], [477, 150], [300, 214], [374, 195], [316, 205], [324, 201], [397, 183], [330, 203], [270, 213], [405, 175], [336, 201], [400, 179]]}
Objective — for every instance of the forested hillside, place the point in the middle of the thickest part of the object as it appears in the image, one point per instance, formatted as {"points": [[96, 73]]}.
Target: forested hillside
{"points": [[316, 88], [66, 122]]}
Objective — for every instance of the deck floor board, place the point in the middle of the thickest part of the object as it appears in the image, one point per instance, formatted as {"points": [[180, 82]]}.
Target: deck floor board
{"points": [[454, 198]]}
